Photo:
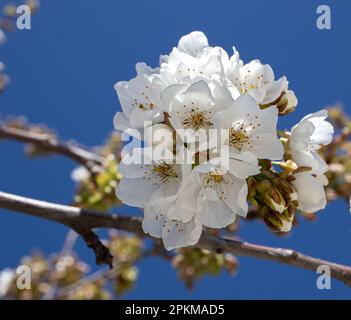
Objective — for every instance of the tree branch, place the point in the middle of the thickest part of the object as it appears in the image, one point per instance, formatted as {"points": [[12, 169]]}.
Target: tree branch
{"points": [[102, 253], [79, 219], [49, 143]]}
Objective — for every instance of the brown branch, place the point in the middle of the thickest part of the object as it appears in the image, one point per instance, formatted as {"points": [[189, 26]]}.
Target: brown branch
{"points": [[77, 218], [51, 144], [102, 253]]}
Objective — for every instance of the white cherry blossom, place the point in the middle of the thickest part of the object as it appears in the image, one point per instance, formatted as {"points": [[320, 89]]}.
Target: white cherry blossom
{"points": [[194, 60], [211, 194], [193, 43], [137, 102], [174, 233], [257, 80], [310, 191], [307, 137], [251, 129], [147, 182], [193, 107]]}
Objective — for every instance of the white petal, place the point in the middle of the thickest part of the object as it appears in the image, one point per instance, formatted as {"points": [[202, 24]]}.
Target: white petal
{"points": [[310, 191], [300, 135], [135, 94], [137, 192], [198, 94], [166, 193], [215, 214], [255, 79], [136, 164], [320, 131], [188, 193], [121, 123], [322, 178], [222, 96], [275, 90], [181, 214], [210, 63], [124, 98], [236, 195], [193, 43], [177, 234], [266, 146], [243, 165], [138, 117], [209, 194], [143, 68], [268, 119], [153, 221], [310, 159], [168, 95]]}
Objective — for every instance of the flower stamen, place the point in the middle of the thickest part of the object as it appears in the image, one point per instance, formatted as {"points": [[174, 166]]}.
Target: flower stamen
{"points": [[197, 120]]}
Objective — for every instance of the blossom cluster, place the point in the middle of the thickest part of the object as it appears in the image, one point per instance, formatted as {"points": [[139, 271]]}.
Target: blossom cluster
{"points": [[213, 121]]}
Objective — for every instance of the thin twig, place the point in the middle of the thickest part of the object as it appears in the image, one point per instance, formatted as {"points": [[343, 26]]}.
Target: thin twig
{"points": [[69, 243], [79, 218], [48, 143], [99, 274]]}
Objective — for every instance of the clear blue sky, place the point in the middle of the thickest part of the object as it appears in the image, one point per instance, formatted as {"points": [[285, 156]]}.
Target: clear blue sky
{"points": [[63, 71]]}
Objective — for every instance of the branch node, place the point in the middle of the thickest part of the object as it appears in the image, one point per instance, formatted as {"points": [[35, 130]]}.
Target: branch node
{"points": [[102, 253]]}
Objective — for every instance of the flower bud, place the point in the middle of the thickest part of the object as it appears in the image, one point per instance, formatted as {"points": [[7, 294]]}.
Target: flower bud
{"points": [[271, 196], [286, 188], [287, 103], [251, 185], [279, 222]]}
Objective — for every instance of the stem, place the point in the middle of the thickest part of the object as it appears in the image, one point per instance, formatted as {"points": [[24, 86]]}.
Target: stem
{"points": [[84, 157]]}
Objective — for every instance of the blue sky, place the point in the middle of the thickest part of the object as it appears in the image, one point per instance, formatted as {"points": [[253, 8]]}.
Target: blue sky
{"points": [[63, 72]]}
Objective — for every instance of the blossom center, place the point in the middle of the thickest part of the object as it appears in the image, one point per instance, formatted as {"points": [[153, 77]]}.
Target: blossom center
{"points": [[217, 178], [197, 120], [165, 170], [146, 107], [238, 138], [248, 82]]}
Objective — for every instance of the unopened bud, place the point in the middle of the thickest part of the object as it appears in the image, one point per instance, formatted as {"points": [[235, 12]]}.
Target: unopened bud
{"points": [[287, 189], [271, 196], [280, 222], [287, 103], [251, 185]]}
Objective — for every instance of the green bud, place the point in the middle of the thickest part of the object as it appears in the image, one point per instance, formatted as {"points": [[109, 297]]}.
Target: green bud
{"points": [[271, 196], [287, 189], [280, 222]]}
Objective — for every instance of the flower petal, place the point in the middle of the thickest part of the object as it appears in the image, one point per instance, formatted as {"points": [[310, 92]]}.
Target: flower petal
{"points": [[137, 192], [153, 221], [177, 234], [166, 193], [310, 192], [266, 146], [193, 43], [214, 214]]}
